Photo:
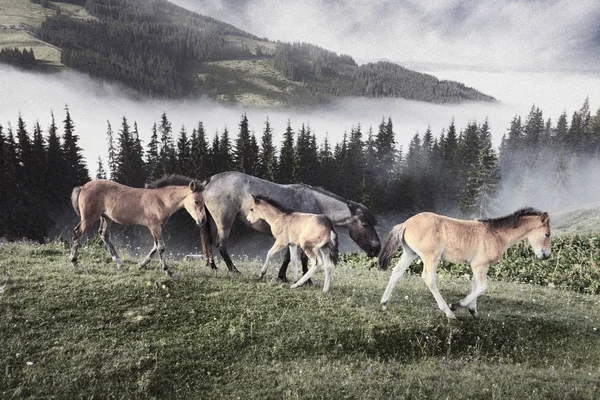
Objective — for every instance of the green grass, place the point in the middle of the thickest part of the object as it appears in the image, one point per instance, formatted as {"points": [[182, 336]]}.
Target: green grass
{"points": [[96, 332]]}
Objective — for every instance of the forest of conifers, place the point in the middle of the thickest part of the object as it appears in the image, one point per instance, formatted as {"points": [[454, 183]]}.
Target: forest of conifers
{"points": [[457, 172], [157, 49]]}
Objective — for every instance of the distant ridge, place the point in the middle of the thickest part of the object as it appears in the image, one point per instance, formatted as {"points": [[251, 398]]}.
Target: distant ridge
{"points": [[158, 49]]}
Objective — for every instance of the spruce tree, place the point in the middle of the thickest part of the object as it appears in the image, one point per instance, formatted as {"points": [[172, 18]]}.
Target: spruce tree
{"points": [[267, 157], [112, 156], [199, 153], [100, 173], [152, 156], [56, 169], [482, 185], [183, 155], [287, 157], [243, 157], [166, 155], [77, 169]]}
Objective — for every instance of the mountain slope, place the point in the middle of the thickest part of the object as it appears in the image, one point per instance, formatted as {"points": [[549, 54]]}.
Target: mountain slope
{"points": [[159, 49]]}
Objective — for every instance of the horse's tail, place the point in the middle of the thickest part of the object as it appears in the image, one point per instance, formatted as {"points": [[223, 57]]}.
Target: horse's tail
{"points": [[393, 242], [334, 252], [75, 199]]}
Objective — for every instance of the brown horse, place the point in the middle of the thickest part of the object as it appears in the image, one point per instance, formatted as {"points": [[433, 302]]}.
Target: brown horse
{"points": [[109, 201], [314, 233], [480, 242]]}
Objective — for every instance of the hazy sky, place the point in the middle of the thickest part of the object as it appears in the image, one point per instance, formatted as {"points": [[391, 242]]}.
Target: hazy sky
{"points": [[532, 33]]}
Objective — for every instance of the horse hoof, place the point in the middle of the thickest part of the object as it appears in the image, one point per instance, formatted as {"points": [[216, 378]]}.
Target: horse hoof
{"points": [[454, 306], [475, 314], [169, 273], [384, 306], [451, 315], [282, 279]]}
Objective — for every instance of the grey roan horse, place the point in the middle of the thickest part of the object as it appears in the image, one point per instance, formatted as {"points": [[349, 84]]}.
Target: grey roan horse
{"points": [[227, 193]]}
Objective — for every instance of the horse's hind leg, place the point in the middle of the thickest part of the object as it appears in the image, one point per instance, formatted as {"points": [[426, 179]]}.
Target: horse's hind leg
{"points": [[104, 232], [148, 258], [408, 256], [78, 233], [327, 266], [430, 277], [282, 271], [311, 270], [206, 241], [479, 285]]}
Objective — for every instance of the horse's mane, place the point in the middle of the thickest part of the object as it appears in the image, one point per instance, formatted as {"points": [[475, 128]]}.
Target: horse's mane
{"points": [[274, 203], [368, 214], [511, 220], [174, 180]]}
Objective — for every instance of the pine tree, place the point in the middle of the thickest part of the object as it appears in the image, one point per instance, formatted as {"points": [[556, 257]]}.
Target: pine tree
{"points": [[483, 182], [100, 173], [287, 158], [267, 157], [166, 155], [224, 156], [199, 153], [307, 158], [56, 169], [112, 160], [75, 163], [152, 156], [243, 157], [183, 155], [139, 169], [130, 168], [38, 159]]}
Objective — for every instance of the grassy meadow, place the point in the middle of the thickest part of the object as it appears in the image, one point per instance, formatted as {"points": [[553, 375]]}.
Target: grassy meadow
{"points": [[96, 332]]}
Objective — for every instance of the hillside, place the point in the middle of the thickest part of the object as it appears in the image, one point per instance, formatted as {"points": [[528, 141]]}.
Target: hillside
{"points": [[158, 49]]}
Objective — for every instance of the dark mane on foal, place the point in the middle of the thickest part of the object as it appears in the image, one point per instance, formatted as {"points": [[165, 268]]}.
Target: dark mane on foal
{"points": [[173, 180], [511, 220], [352, 205], [275, 204]]}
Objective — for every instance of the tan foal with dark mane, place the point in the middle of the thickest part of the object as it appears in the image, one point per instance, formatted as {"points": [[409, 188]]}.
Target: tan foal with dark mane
{"points": [[434, 237], [314, 233], [109, 201]]}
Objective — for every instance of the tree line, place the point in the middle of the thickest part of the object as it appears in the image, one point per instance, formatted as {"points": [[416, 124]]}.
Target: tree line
{"points": [[457, 172]]}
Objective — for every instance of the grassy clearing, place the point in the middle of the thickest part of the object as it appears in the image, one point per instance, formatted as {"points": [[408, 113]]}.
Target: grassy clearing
{"points": [[19, 19], [98, 332]]}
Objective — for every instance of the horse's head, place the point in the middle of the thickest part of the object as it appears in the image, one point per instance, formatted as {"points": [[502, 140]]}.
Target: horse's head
{"points": [[254, 210], [539, 236], [361, 226], [194, 202]]}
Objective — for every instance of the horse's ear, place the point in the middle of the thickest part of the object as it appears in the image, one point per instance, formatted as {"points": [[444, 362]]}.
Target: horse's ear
{"points": [[545, 217], [353, 207], [193, 186], [255, 199]]}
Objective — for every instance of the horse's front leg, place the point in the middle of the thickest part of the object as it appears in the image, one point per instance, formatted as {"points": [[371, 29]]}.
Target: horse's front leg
{"points": [[294, 257], [276, 247], [430, 277], [160, 248], [478, 286]]}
